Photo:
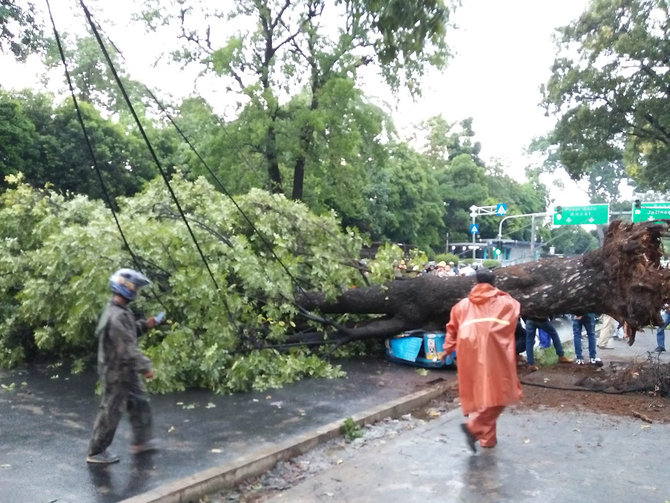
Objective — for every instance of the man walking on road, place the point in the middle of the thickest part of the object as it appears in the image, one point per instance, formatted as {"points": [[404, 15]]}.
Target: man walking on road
{"points": [[481, 331], [120, 364]]}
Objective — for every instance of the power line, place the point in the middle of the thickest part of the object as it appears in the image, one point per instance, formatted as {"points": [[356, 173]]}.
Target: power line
{"points": [[219, 183], [87, 139], [146, 139]]}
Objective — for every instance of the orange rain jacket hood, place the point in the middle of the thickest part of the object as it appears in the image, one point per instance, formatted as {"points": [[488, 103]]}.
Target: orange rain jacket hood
{"points": [[481, 331]]}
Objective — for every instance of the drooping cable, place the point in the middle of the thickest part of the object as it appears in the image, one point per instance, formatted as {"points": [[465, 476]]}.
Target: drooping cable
{"points": [[80, 118], [96, 166], [219, 183], [152, 151], [223, 189]]}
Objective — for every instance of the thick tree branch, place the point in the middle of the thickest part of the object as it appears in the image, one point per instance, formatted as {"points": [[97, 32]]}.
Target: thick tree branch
{"points": [[624, 279]]}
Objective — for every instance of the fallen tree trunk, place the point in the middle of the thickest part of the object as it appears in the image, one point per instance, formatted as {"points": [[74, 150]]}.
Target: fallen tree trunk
{"points": [[623, 278]]}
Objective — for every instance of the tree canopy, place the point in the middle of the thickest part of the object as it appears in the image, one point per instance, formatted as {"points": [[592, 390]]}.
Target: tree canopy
{"points": [[57, 254], [288, 47], [20, 32], [610, 88], [45, 142]]}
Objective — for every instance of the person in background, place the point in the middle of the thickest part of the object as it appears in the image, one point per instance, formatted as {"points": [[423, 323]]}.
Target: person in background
{"points": [[660, 332], [533, 324], [588, 321], [444, 270], [466, 270], [519, 341], [481, 330], [606, 332], [120, 364]]}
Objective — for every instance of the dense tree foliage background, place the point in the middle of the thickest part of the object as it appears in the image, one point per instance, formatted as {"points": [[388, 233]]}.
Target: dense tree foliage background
{"points": [[285, 191]]}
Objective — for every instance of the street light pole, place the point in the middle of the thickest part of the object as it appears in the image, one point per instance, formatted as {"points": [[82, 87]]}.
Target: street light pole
{"points": [[473, 214]]}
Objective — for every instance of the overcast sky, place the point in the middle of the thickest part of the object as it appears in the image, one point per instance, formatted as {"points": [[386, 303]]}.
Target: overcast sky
{"points": [[503, 51]]}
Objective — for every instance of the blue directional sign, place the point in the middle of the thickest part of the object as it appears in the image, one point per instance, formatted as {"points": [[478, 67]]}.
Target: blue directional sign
{"points": [[501, 209], [474, 229]]}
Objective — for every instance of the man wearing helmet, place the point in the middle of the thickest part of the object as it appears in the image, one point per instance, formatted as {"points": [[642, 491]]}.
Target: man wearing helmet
{"points": [[120, 364]]}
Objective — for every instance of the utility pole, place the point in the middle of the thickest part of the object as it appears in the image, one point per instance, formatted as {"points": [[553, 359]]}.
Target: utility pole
{"points": [[532, 231]]}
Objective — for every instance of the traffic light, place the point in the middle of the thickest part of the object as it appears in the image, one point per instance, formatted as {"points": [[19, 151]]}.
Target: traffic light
{"points": [[559, 209], [498, 249], [638, 204]]}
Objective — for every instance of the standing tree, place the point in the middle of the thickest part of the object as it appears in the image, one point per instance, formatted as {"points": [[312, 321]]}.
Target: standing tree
{"points": [[285, 46], [611, 91], [45, 142]]}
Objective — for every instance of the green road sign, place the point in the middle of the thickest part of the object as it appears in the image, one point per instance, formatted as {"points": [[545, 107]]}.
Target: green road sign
{"points": [[595, 214], [651, 211]]}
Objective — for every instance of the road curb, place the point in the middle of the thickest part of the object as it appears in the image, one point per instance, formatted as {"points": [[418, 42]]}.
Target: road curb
{"points": [[191, 488]]}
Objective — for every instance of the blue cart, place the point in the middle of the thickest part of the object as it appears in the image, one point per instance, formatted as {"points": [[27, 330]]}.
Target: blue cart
{"points": [[419, 348]]}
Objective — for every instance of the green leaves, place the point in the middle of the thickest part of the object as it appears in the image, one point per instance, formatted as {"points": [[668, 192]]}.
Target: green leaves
{"points": [[55, 282], [351, 430], [20, 33], [611, 98], [227, 57]]}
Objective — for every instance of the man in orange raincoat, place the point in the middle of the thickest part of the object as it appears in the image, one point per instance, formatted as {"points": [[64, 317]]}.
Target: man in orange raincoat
{"points": [[481, 331]]}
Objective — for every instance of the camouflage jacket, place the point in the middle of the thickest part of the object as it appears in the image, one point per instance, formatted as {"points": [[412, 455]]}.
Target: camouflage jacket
{"points": [[118, 354]]}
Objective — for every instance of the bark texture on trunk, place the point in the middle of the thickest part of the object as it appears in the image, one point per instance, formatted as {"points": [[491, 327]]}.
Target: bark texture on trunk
{"points": [[623, 278]]}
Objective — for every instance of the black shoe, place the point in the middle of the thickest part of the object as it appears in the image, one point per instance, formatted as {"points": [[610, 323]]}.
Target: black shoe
{"points": [[469, 437], [659, 349], [596, 361], [148, 446]]}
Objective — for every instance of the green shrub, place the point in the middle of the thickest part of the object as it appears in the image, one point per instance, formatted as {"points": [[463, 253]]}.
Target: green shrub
{"points": [[447, 257], [351, 430]]}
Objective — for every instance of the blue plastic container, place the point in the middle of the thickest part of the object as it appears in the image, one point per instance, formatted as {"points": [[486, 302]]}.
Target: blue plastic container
{"points": [[433, 345], [406, 348]]}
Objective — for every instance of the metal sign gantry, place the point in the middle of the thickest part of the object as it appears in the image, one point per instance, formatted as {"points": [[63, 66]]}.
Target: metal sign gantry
{"points": [[475, 211]]}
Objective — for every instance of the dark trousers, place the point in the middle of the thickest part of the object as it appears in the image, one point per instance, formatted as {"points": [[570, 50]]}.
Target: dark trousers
{"points": [[531, 327], [118, 396]]}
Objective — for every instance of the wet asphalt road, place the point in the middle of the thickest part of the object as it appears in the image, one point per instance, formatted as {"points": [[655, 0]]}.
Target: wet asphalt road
{"points": [[542, 456], [46, 419]]}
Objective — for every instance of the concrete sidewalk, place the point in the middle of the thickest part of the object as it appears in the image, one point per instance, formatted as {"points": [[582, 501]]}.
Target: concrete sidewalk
{"points": [[541, 456], [432, 463]]}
